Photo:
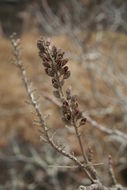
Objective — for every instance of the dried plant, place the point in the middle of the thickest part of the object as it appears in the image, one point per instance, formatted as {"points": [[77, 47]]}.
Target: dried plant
{"points": [[56, 68]]}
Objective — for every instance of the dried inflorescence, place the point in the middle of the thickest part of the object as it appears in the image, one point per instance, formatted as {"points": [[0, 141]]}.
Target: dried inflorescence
{"points": [[70, 110], [55, 65]]}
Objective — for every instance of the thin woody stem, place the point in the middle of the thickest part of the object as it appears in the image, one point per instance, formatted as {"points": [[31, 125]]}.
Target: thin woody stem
{"points": [[80, 142]]}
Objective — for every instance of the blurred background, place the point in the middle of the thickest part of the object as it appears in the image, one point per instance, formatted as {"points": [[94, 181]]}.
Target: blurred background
{"points": [[93, 33]]}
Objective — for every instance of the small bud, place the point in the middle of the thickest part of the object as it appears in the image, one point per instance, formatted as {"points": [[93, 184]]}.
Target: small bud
{"points": [[54, 83], [64, 62], [54, 49], [46, 58], [68, 117], [67, 122], [60, 54], [68, 93], [49, 72], [73, 98], [79, 115], [65, 103], [58, 66], [67, 75], [56, 94], [64, 70], [40, 45], [46, 64], [82, 121], [47, 43]]}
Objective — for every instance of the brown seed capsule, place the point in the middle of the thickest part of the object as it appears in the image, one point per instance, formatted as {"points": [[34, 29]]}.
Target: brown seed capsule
{"points": [[46, 64], [54, 52], [54, 49], [74, 98], [56, 94], [68, 94], [82, 121], [54, 81], [49, 72], [68, 117], [60, 54], [65, 103], [65, 69], [67, 75], [67, 122], [40, 45], [45, 58], [58, 66], [78, 115], [64, 62], [55, 85]]}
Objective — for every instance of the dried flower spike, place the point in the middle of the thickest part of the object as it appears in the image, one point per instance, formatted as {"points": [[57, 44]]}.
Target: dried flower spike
{"points": [[54, 64]]}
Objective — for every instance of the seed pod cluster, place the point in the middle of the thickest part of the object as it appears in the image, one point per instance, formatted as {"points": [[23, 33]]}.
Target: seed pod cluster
{"points": [[54, 64], [70, 110]]}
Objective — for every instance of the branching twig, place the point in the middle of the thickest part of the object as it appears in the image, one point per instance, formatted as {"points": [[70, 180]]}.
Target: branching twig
{"points": [[93, 123], [16, 46], [55, 67]]}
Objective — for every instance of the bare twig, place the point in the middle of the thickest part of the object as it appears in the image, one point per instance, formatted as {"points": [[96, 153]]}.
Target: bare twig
{"points": [[106, 130]]}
